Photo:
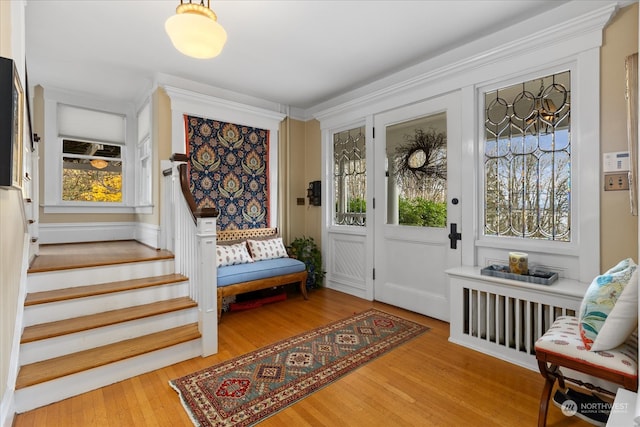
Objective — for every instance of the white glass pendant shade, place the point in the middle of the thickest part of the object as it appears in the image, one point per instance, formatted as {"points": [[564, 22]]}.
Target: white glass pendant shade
{"points": [[194, 31]]}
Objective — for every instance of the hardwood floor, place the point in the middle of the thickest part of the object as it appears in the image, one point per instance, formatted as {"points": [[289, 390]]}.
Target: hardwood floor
{"points": [[425, 382]]}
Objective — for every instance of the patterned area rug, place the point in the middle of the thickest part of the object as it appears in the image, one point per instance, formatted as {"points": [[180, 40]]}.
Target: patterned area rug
{"points": [[247, 389]]}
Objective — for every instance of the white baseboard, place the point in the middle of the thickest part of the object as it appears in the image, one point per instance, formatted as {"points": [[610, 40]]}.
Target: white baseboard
{"points": [[148, 234], [86, 232], [347, 288]]}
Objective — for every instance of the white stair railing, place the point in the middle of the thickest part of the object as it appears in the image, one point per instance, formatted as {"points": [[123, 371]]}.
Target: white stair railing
{"points": [[195, 254]]}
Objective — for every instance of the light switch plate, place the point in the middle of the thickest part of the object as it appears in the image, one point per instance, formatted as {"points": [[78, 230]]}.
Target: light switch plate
{"points": [[616, 181]]}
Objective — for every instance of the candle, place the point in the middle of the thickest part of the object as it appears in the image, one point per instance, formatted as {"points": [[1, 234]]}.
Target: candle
{"points": [[519, 263]]}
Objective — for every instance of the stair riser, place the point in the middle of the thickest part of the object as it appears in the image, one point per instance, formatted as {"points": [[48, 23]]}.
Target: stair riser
{"points": [[51, 312], [43, 394], [60, 279], [79, 341]]}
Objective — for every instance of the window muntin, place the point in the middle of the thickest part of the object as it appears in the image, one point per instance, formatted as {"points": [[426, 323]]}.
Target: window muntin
{"points": [[527, 160], [91, 172], [350, 177]]}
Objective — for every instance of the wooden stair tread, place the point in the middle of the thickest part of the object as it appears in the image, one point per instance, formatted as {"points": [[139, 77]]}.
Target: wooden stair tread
{"points": [[106, 318], [55, 257], [47, 370], [104, 288]]}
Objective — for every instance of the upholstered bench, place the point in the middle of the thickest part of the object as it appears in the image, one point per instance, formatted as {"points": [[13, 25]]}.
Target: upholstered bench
{"points": [[239, 272], [562, 346]]}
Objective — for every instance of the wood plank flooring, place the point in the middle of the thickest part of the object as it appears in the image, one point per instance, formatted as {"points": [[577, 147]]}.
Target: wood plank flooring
{"points": [[425, 382]]}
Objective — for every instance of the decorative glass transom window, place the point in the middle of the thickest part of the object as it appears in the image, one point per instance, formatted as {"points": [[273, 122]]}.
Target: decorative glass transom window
{"points": [[350, 177], [527, 159]]}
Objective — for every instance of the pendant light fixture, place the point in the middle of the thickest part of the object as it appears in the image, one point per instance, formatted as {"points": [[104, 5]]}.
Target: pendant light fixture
{"points": [[194, 30]]}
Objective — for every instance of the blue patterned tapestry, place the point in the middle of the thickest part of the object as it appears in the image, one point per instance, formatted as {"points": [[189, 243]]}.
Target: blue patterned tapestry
{"points": [[228, 170]]}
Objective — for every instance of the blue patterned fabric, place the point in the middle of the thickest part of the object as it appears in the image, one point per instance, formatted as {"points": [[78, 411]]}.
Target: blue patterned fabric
{"points": [[239, 273], [228, 170]]}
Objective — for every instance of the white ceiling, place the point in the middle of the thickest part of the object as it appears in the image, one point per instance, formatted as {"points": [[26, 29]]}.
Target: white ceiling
{"points": [[296, 53]]}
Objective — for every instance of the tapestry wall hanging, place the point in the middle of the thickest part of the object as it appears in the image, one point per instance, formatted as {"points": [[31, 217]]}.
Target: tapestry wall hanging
{"points": [[228, 170]]}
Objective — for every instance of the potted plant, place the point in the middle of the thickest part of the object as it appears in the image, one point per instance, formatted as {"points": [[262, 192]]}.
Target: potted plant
{"points": [[306, 250]]}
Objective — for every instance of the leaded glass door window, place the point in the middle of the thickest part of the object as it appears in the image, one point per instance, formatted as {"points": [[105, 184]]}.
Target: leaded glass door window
{"points": [[350, 177]]}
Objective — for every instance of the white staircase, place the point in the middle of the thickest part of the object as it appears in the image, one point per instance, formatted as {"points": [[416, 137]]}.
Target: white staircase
{"points": [[93, 326]]}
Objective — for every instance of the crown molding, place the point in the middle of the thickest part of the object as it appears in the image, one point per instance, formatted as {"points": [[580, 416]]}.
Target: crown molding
{"points": [[566, 25]]}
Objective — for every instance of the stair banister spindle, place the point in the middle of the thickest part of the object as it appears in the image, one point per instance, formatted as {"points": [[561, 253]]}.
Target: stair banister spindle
{"points": [[195, 246]]}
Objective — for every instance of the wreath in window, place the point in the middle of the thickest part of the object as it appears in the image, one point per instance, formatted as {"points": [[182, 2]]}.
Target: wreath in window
{"points": [[423, 156]]}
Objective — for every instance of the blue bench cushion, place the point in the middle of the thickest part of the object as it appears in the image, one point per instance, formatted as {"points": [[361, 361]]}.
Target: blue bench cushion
{"points": [[230, 274]]}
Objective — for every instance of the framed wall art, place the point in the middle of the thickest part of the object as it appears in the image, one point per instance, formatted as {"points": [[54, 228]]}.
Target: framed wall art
{"points": [[11, 124]]}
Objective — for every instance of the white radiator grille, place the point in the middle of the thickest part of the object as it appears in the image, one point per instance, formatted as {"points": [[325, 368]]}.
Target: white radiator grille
{"points": [[506, 321], [504, 318]]}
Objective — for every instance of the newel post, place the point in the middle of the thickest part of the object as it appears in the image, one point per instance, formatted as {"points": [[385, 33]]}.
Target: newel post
{"points": [[207, 307]]}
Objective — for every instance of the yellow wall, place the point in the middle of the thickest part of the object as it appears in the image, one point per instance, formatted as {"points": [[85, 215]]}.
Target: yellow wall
{"points": [[161, 146], [13, 240], [618, 228]]}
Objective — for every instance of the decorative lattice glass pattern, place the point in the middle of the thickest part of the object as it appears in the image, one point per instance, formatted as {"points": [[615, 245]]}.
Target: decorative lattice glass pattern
{"points": [[527, 159], [350, 177]]}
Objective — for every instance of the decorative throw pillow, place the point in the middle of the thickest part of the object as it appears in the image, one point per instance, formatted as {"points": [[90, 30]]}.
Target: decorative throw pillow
{"points": [[601, 298], [232, 254], [623, 319], [267, 249]]}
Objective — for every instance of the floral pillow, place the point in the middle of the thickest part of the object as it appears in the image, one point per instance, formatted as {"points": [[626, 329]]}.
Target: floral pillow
{"points": [[600, 299], [623, 319], [232, 254], [267, 249]]}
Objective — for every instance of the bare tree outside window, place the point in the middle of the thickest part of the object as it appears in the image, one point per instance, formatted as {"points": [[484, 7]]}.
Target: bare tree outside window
{"points": [[527, 160], [350, 177]]}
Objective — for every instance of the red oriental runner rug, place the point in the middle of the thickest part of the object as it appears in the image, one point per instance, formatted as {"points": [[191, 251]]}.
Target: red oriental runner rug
{"points": [[247, 389]]}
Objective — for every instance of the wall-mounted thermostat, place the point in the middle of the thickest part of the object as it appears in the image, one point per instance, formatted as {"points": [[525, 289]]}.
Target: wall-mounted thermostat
{"points": [[615, 162]]}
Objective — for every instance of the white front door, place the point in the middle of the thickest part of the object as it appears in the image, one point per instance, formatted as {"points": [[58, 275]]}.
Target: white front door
{"points": [[417, 197]]}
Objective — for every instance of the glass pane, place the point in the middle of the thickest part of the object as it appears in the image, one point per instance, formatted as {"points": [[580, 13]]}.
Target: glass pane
{"points": [[417, 172], [91, 180], [527, 157], [93, 149], [350, 177]]}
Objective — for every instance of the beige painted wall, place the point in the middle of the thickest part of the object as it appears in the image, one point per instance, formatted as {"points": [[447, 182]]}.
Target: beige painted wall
{"points": [[13, 239], [5, 29], [296, 214], [301, 152], [618, 228], [161, 146], [313, 172]]}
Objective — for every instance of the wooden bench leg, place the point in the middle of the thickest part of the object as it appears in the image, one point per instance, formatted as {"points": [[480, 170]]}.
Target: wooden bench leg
{"points": [[303, 289], [219, 305], [550, 374]]}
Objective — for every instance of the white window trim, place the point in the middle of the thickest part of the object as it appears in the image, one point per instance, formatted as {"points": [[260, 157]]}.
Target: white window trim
{"points": [[144, 206], [576, 259], [52, 200]]}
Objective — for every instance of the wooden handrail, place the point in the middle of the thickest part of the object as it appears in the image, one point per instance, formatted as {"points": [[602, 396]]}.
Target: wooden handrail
{"points": [[195, 211]]}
